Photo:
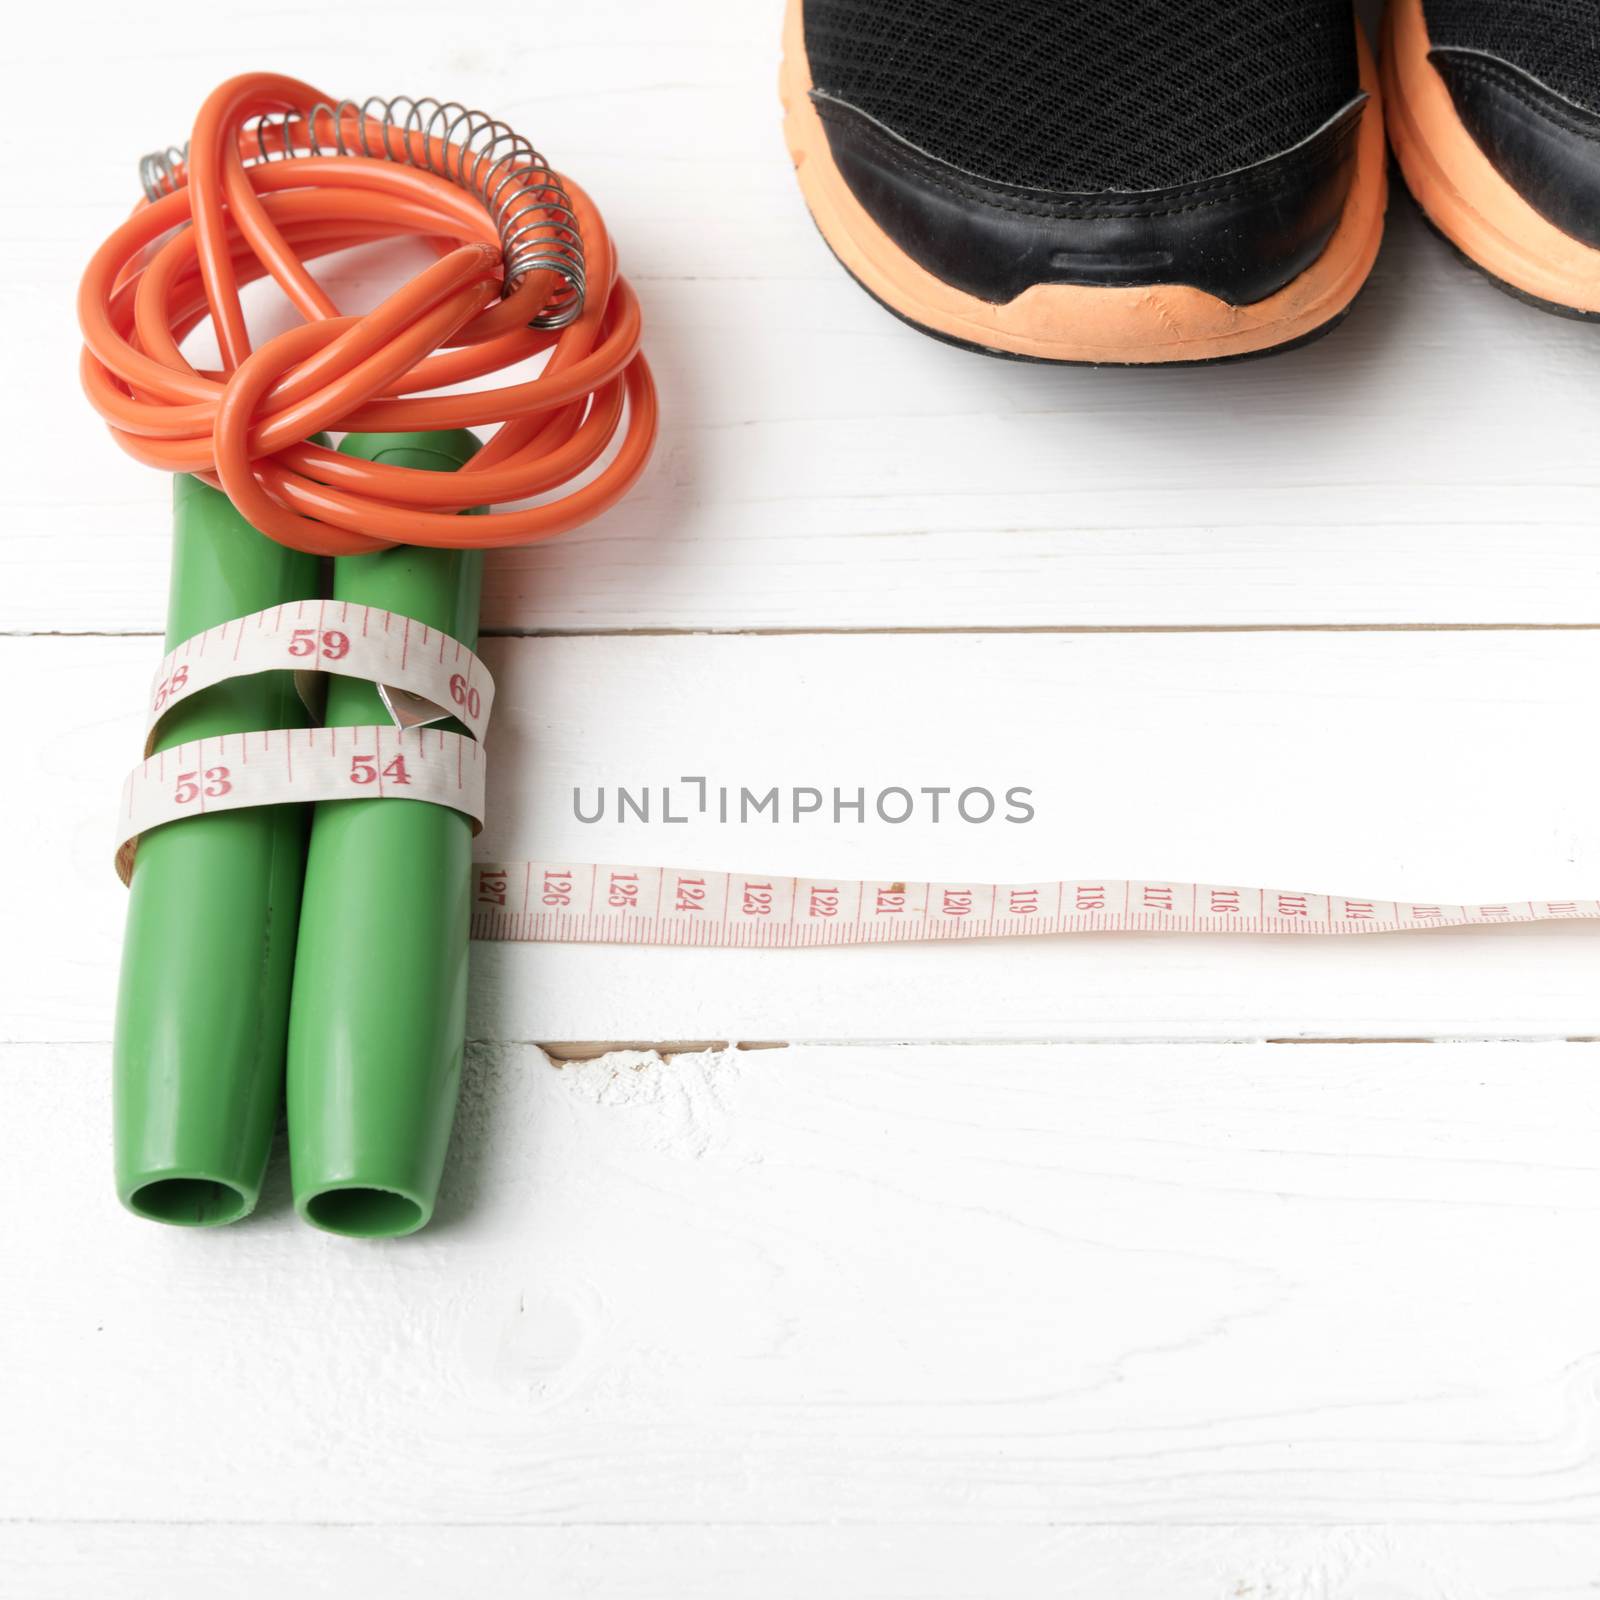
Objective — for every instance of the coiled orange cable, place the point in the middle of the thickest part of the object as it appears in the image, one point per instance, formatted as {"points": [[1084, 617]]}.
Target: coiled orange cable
{"points": [[246, 428]]}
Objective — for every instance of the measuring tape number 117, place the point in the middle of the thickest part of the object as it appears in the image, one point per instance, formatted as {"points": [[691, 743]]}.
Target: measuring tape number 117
{"points": [[425, 677]]}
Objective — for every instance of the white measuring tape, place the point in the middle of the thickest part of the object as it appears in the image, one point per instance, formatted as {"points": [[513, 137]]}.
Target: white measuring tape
{"points": [[425, 677], [422, 674], [566, 902], [294, 766]]}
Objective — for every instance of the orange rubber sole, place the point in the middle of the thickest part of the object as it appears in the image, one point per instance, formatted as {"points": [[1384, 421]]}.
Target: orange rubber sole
{"points": [[1462, 193], [1164, 324]]}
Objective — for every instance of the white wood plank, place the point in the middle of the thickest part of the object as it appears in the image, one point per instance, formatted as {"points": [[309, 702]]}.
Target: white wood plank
{"points": [[919, 1322], [1000, 1286], [921, 1562], [1438, 765], [821, 466]]}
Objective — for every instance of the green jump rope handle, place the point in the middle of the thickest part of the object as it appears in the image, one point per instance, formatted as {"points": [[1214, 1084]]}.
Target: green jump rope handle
{"points": [[209, 950], [378, 1017]]}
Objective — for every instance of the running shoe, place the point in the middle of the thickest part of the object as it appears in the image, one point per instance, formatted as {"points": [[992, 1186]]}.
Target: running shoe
{"points": [[1494, 114], [1106, 181]]}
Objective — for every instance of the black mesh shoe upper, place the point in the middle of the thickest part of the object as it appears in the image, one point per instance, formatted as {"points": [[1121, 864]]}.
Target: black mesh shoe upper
{"points": [[1556, 42], [1091, 96], [1525, 79]]}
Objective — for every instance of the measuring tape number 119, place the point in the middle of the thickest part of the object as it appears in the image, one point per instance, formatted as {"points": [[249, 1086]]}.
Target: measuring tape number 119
{"points": [[425, 677]]}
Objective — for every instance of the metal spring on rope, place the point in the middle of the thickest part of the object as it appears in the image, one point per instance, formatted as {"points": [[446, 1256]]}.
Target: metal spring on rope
{"points": [[530, 209]]}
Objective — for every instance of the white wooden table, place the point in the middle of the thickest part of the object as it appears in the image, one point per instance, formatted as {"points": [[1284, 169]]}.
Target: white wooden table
{"points": [[1127, 1268]]}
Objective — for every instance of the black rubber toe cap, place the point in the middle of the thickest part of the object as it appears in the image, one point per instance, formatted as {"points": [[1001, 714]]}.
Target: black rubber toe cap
{"points": [[1546, 147], [1241, 236]]}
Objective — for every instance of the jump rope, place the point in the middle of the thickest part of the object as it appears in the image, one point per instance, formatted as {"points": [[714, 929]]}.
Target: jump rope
{"points": [[297, 840], [316, 952]]}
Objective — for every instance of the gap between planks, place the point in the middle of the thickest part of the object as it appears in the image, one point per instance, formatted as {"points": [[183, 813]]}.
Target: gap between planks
{"points": [[865, 631], [564, 1052], [769, 1525]]}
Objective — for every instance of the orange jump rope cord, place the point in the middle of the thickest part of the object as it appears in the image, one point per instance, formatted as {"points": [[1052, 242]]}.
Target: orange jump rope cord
{"points": [[245, 429]]}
